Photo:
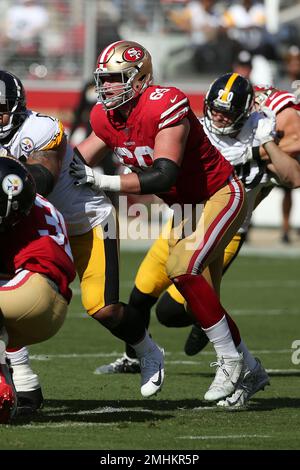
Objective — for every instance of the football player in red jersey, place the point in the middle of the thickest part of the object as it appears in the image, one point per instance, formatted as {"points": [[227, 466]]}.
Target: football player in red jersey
{"points": [[153, 130], [37, 261]]}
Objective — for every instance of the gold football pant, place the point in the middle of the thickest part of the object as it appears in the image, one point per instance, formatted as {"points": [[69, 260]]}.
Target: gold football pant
{"points": [[152, 277], [32, 308], [96, 258]]}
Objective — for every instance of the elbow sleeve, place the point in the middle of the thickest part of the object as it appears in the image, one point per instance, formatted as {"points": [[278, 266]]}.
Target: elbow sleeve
{"points": [[44, 180], [160, 177]]}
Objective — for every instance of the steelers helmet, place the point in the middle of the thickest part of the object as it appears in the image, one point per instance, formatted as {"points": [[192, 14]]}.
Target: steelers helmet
{"points": [[12, 102], [17, 191], [232, 95], [129, 65]]}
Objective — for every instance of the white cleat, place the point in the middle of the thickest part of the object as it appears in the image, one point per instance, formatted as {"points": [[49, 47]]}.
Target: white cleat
{"points": [[226, 379], [252, 381], [152, 372]]}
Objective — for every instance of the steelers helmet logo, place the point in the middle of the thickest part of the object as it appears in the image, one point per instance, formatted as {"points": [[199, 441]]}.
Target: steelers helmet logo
{"points": [[12, 184], [27, 145], [132, 54]]}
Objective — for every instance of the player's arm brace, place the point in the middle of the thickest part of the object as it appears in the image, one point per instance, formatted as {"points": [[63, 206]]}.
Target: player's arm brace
{"points": [[45, 166]]}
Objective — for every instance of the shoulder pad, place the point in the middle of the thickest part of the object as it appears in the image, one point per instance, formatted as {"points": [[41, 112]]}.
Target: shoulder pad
{"points": [[170, 105], [40, 132]]}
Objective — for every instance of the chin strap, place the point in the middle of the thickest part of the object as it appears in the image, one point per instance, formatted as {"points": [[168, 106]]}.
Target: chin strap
{"points": [[9, 202]]}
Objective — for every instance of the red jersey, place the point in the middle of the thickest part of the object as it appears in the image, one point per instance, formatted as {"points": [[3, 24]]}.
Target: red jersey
{"points": [[39, 243], [203, 170]]}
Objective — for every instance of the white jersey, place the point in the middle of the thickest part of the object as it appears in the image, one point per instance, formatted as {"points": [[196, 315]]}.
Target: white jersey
{"points": [[82, 207], [237, 151]]}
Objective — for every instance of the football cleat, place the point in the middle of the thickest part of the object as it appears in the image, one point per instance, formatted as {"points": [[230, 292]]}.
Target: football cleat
{"points": [[251, 382], [122, 365], [228, 373], [196, 341], [30, 402], [8, 397], [152, 371], [29, 392]]}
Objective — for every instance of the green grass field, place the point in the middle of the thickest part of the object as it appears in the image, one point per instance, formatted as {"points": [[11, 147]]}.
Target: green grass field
{"points": [[87, 411]]}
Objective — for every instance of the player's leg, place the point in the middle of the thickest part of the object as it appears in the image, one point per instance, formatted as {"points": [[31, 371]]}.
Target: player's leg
{"points": [[254, 377], [29, 390], [194, 342], [151, 279], [215, 225], [97, 262], [170, 309], [33, 310], [171, 312], [197, 339], [8, 397]]}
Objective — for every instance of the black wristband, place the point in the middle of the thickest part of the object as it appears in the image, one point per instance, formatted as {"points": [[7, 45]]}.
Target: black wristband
{"points": [[76, 151], [255, 153], [44, 180]]}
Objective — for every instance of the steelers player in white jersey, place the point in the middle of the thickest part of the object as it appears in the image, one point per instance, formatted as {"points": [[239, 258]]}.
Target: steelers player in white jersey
{"points": [[40, 143]]}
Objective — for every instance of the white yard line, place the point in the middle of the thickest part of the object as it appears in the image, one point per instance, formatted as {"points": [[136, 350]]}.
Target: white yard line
{"points": [[47, 357], [64, 425], [230, 436], [233, 312], [105, 409]]}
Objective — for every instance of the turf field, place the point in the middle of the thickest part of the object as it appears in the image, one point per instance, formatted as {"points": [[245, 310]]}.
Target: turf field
{"points": [[86, 411]]}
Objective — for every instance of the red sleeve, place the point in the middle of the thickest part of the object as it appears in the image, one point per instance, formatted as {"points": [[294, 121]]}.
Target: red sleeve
{"points": [[279, 100]]}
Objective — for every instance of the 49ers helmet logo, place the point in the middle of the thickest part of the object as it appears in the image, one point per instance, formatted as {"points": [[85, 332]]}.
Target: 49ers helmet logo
{"points": [[132, 54]]}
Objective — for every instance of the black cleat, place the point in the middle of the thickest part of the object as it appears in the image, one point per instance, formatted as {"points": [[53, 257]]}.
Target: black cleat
{"points": [[122, 365], [196, 341], [29, 402]]}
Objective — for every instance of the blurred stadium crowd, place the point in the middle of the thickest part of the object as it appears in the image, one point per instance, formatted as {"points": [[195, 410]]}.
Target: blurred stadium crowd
{"points": [[53, 44], [60, 39]]}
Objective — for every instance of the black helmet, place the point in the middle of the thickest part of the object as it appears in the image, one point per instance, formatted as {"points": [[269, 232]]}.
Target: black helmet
{"points": [[12, 102], [232, 95], [17, 191]]}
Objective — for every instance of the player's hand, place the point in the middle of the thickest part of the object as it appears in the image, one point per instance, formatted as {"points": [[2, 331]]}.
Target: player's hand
{"points": [[82, 173], [266, 128]]}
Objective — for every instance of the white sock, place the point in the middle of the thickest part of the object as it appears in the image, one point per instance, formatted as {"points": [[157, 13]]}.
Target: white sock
{"points": [[219, 335], [21, 356], [249, 360], [145, 346]]}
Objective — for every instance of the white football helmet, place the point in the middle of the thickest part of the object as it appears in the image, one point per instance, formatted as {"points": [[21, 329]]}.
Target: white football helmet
{"points": [[129, 65]]}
